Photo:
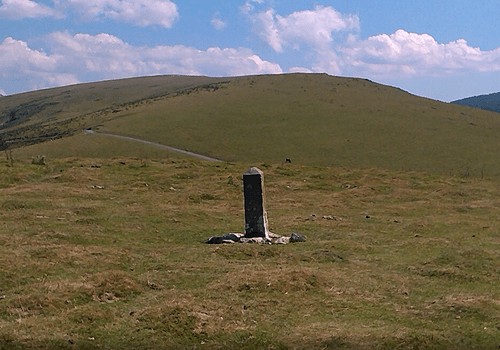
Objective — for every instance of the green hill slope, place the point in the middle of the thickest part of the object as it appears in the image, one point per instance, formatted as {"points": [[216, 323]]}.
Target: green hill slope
{"points": [[312, 119], [39, 116]]}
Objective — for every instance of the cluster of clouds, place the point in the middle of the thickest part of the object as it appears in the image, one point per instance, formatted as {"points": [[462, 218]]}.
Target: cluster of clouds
{"points": [[333, 38], [136, 12], [314, 28], [404, 54], [108, 57], [19, 9], [327, 37]]}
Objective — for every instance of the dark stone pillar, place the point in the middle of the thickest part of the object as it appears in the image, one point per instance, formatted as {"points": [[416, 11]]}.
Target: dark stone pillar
{"points": [[255, 211]]}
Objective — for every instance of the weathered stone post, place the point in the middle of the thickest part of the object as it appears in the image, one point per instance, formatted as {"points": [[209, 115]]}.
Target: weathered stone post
{"points": [[254, 197]]}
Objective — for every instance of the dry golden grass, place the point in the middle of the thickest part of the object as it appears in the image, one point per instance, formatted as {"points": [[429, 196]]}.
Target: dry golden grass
{"points": [[108, 254]]}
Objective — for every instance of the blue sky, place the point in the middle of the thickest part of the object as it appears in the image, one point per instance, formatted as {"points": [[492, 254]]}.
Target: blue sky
{"points": [[443, 49]]}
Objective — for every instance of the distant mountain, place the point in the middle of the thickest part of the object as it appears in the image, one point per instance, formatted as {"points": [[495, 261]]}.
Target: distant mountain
{"points": [[489, 102]]}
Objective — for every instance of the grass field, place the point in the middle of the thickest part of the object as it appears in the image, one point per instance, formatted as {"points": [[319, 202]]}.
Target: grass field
{"points": [[62, 103], [313, 119], [108, 254]]}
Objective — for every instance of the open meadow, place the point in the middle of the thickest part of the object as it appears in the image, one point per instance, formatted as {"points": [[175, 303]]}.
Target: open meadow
{"points": [[108, 254]]}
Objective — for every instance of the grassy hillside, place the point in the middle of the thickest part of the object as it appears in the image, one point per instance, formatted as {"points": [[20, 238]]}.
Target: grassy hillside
{"points": [[45, 115], [76, 100], [108, 254], [313, 119]]}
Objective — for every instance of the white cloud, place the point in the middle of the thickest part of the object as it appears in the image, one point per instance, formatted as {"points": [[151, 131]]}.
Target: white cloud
{"points": [[404, 54], [75, 58], [137, 12], [311, 27], [265, 26], [327, 61], [17, 58], [110, 57], [299, 70], [218, 23], [19, 9], [19, 62], [248, 6], [332, 44], [2, 93]]}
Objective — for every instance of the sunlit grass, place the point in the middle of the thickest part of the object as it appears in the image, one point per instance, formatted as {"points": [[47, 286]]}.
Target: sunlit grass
{"points": [[108, 253]]}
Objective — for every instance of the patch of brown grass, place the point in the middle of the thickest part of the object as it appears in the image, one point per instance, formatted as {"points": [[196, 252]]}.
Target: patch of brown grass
{"points": [[389, 262]]}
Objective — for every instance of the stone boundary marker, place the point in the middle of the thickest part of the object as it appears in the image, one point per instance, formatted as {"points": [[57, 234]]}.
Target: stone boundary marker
{"points": [[256, 225], [255, 202]]}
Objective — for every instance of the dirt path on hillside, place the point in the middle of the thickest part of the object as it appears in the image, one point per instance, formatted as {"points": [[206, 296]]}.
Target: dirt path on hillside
{"points": [[89, 131]]}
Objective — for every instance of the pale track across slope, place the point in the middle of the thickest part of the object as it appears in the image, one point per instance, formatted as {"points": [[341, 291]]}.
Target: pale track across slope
{"points": [[90, 131]]}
